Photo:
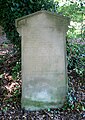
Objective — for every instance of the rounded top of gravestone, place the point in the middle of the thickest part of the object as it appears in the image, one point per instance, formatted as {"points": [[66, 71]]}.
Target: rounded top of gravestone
{"points": [[21, 21]]}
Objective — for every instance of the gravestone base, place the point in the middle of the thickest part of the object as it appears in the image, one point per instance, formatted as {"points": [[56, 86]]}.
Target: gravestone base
{"points": [[35, 105]]}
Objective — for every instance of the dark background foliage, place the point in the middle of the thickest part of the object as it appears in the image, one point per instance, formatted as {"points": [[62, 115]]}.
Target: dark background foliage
{"points": [[13, 9]]}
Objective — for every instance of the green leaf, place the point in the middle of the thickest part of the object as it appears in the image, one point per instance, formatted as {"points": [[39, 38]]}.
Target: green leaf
{"points": [[83, 108], [1, 75], [31, 1], [48, 109]]}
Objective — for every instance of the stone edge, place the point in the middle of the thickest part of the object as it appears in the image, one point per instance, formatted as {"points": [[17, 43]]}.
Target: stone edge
{"points": [[38, 12]]}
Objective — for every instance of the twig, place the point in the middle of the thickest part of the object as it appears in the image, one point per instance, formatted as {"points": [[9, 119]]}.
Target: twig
{"points": [[47, 113]]}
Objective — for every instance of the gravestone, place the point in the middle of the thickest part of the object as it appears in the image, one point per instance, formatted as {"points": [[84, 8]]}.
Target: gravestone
{"points": [[44, 76]]}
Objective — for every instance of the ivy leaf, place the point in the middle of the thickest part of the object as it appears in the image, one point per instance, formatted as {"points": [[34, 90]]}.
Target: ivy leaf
{"points": [[31, 1], [83, 108]]}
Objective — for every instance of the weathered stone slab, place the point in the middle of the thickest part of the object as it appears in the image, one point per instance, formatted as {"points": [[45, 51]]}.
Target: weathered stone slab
{"points": [[44, 77]]}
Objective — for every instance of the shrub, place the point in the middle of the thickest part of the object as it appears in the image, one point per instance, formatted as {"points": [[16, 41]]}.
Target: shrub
{"points": [[76, 56]]}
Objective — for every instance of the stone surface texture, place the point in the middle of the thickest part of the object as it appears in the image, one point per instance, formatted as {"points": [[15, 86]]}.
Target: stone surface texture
{"points": [[44, 74]]}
